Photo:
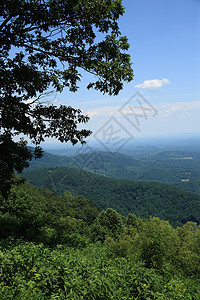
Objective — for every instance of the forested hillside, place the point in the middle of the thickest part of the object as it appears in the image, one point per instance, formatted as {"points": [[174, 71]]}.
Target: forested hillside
{"points": [[181, 169], [144, 199], [49, 160], [66, 247], [40, 214]]}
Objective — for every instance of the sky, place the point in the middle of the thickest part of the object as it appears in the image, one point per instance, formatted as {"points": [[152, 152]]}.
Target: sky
{"points": [[164, 97]]}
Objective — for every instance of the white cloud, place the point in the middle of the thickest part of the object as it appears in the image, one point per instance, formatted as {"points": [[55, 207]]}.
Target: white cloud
{"points": [[178, 108], [153, 84], [92, 113], [102, 111]]}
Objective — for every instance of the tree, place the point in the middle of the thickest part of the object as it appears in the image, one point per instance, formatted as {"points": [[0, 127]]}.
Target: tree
{"points": [[110, 219], [45, 46]]}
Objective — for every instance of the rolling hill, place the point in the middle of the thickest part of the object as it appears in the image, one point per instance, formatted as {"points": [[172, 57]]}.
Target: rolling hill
{"points": [[181, 169], [142, 198]]}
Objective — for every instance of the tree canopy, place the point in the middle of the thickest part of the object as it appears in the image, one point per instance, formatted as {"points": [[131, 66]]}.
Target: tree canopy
{"points": [[46, 45]]}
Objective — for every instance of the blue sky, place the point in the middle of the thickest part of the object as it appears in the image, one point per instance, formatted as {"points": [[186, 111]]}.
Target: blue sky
{"points": [[164, 38]]}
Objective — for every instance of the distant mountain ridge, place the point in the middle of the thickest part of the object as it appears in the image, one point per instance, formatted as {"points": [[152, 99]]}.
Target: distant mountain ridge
{"points": [[171, 167], [144, 199]]}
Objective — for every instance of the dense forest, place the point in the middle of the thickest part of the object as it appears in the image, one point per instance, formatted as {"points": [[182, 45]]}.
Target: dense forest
{"points": [[65, 247], [178, 168], [142, 198]]}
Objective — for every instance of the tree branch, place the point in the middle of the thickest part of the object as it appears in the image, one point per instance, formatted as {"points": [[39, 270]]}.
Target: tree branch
{"points": [[5, 22], [57, 56]]}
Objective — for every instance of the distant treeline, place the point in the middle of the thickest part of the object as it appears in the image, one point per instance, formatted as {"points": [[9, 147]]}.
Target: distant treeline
{"points": [[142, 198]]}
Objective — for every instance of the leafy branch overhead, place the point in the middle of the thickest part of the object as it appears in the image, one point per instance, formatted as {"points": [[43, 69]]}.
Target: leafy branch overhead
{"points": [[57, 38], [46, 46]]}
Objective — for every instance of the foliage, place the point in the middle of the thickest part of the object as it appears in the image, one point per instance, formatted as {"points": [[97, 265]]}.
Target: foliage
{"points": [[45, 47], [144, 199], [40, 215], [110, 219], [66, 248], [30, 271]]}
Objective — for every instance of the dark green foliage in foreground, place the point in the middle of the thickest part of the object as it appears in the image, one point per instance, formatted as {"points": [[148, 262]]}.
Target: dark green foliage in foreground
{"points": [[30, 271], [145, 199], [69, 249], [41, 215]]}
